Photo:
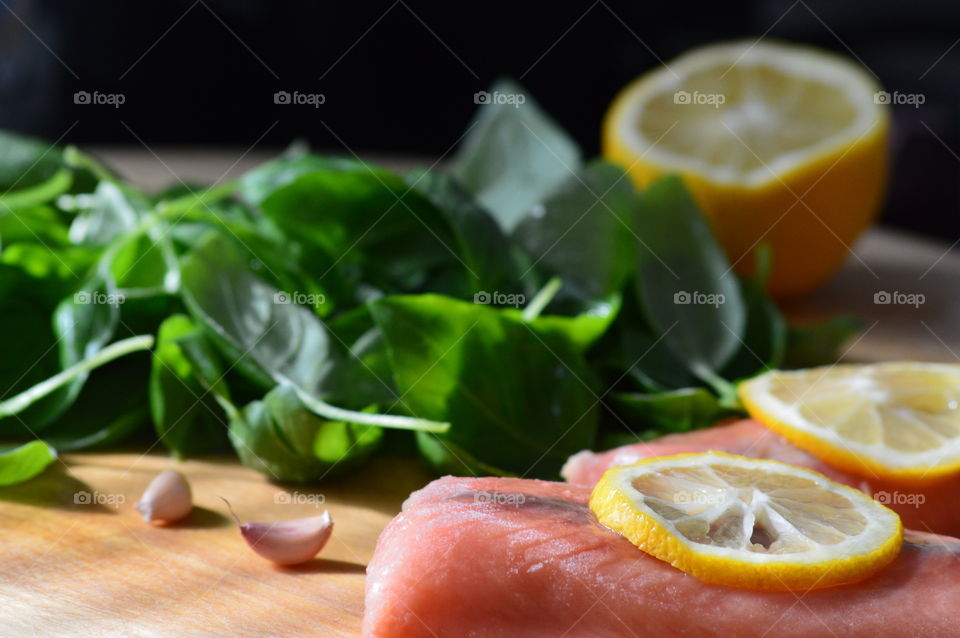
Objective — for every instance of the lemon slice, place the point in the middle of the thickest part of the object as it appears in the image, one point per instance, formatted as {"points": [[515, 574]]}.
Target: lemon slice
{"points": [[896, 420], [757, 524], [753, 127]]}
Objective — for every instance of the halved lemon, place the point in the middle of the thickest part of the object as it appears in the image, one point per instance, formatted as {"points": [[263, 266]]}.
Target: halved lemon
{"points": [[757, 524], [898, 420], [779, 143]]}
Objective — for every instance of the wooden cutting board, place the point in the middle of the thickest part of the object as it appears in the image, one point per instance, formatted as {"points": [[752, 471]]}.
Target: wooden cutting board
{"points": [[77, 560], [73, 569]]}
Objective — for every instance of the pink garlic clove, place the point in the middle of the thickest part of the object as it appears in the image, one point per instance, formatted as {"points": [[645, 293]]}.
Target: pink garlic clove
{"points": [[289, 542], [167, 499]]}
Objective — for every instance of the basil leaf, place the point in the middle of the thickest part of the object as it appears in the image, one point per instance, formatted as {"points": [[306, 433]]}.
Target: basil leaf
{"points": [[23, 463], [185, 413], [261, 182], [270, 339], [281, 438], [674, 411], [26, 162], [481, 246], [513, 155], [368, 224], [686, 290], [581, 232], [518, 398], [102, 416], [816, 344]]}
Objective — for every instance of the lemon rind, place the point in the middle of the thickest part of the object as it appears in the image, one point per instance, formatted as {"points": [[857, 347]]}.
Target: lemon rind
{"points": [[615, 509], [873, 118], [830, 447]]}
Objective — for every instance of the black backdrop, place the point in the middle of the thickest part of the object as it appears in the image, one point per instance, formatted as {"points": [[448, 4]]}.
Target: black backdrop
{"points": [[400, 76]]}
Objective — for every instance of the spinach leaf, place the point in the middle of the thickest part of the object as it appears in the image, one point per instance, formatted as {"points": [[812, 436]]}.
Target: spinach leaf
{"points": [[484, 250], [684, 283], [633, 349], [764, 338], [185, 414], [104, 215], [581, 232], [280, 437], [82, 324], [23, 463], [101, 415], [36, 224], [271, 340], [261, 182], [26, 338], [513, 154], [368, 224], [583, 329], [69, 376], [817, 344], [765, 335], [672, 411], [519, 399], [26, 162]]}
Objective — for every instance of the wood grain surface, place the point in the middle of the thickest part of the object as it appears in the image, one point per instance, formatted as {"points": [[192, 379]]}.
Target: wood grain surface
{"points": [[77, 560]]}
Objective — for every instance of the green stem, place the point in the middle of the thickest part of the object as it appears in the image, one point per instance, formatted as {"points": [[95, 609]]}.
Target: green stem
{"points": [[334, 413], [726, 391], [25, 399], [75, 158], [542, 299], [179, 206], [39, 193]]}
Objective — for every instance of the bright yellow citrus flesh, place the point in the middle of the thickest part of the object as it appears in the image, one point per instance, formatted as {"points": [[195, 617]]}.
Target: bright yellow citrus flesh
{"points": [[897, 421], [749, 523], [780, 144]]}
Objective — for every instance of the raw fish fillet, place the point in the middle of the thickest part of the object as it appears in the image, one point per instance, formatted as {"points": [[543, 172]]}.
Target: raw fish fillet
{"points": [[516, 558], [933, 509]]}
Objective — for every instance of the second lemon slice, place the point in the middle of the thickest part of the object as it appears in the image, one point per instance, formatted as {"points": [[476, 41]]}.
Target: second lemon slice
{"points": [[742, 522], [896, 420]]}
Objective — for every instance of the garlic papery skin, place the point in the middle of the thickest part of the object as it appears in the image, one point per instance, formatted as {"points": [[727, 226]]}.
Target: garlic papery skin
{"points": [[167, 499], [289, 542]]}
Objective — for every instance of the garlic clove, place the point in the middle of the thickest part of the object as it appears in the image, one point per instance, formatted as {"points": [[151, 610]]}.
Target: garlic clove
{"points": [[289, 542], [167, 499]]}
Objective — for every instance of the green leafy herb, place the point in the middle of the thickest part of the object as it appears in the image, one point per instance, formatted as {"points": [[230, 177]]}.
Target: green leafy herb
{"points": [[280, 437], [320, 308], [23, 463], [520, 399], [186, 415], [273, 341], [514, 155], [685, 285]]}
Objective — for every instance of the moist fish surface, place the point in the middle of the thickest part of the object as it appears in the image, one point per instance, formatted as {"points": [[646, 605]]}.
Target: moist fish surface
{"points": [[505, 558], [932, 508]]}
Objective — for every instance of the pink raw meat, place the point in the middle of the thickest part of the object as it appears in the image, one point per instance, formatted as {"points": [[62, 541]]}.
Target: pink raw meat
{"points": [[515, 558]]}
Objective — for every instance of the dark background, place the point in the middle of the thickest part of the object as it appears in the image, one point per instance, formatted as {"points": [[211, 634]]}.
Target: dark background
{"points": [[400, 76]]}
